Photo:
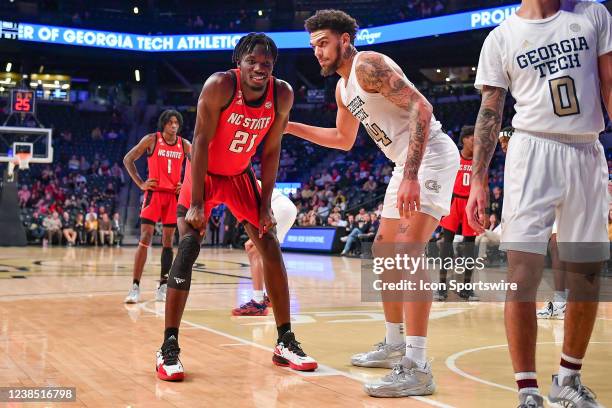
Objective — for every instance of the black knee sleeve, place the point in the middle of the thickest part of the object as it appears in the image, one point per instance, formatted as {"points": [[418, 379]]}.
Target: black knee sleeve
{"points": [[166, 262], [180, 273]]}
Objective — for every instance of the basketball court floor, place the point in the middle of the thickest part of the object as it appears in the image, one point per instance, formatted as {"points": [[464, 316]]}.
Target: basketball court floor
{"points": [[63, 323]]}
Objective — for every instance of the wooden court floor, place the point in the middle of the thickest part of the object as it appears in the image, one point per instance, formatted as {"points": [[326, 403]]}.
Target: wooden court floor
{"points": [[63, 323]]}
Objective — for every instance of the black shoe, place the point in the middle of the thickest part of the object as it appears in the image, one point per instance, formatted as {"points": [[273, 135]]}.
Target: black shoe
{"points": [[441, 295], [289, 353], [168, 366], [469, 295]]}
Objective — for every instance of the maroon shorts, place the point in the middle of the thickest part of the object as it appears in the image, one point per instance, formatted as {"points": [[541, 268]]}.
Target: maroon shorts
{"points": [[457, 217], [159, 206], [240, 193]]}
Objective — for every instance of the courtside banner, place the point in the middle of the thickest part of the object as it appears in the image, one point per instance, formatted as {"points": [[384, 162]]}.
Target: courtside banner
{"points": [[310, 239], [453, 23]]}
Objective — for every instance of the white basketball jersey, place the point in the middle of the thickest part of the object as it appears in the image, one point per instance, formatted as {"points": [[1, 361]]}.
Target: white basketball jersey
{"points": [[551, 68], [386, 123]]}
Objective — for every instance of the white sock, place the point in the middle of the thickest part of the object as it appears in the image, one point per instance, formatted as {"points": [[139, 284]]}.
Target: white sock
{"points": [[529, 391], [258, 296], [416, 350], [395, 333], [567, 372], [559, 296]]}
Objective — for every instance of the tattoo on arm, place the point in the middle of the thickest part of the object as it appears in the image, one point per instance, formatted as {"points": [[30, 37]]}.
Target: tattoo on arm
{"points": [[375, 74], [487, 129]]}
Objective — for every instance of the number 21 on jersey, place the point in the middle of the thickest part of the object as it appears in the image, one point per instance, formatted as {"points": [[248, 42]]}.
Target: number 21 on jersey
{"points": [[241, 138]]}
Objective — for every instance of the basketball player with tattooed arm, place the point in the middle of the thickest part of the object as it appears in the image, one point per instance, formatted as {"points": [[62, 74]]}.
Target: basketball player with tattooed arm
{"points": [[555, 58], [236, 111], [373, 90], [166, 152]]}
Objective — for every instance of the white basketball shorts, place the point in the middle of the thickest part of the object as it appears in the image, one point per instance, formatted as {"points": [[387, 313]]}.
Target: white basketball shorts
{"points": [[560, 177], [436, 178]]}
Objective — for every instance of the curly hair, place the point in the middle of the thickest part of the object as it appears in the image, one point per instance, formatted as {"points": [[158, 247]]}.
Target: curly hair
{"points": [[335, 20], [248, 43], [165, 117]]}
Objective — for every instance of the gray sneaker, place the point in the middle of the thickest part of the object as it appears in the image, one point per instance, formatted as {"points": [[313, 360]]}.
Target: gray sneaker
{"points": [[383, 355], [571, 394], [405, 379], [160, 295], [133, 295], [530, 401]]}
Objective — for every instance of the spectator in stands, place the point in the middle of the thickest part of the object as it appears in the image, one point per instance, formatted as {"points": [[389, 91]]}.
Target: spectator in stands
{"points": [[96, 133], [68, 229], [117, 173], [496, 202], [79, 228], [370, 185], [105, 230], [84, 166], [35, 230], [340, 200], [214, 223], [371, 229], [117, 229], [91, 227], [24, 196], [362, 216], [353, 237], [53, 226], [229, 227], [74, 164]]}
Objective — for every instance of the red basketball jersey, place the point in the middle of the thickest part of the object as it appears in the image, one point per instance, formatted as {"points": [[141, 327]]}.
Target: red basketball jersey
{"points": [[166, 162], [240, 129], [464, 178]]}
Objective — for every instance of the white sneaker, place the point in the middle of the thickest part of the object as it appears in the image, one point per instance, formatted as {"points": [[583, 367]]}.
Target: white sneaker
{"points": [[133, 295], [160, 295], [552, 310]]}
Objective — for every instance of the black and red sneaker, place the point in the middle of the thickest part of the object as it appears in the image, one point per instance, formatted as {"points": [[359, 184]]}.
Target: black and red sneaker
{"points": [[168, 365], [288, 353], [251, 308]]}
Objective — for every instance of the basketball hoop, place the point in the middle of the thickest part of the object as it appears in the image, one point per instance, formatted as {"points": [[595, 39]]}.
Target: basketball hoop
{"points": [[22, 159]]}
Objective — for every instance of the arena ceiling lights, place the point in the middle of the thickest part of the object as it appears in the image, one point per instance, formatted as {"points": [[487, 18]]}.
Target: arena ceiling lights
{"points": [[452, 23]]}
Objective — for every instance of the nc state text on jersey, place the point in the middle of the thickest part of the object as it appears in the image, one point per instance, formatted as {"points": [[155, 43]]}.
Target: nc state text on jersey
{"points": [[169, 154], [249, 123]]}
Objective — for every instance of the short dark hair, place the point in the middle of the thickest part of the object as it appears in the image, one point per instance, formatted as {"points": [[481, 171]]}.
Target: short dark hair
{"points": [[165, 117], [466, 131], [248, 43], [335, 20]]}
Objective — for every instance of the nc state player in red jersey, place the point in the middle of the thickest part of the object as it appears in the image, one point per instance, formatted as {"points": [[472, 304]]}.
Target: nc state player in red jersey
{"points": [[456, 221], [166, 153], [237, 109]]}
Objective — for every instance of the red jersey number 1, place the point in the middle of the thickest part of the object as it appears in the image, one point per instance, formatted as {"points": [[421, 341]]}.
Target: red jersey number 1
{"points": [[240, 140]]}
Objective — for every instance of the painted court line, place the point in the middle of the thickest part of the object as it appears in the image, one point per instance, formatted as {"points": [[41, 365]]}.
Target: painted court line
{"points": [[323, 370], [451, 363]]}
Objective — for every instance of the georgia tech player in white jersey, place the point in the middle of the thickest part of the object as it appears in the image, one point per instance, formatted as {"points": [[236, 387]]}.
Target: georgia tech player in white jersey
{"points": [[373, 90], [555, 57]]}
